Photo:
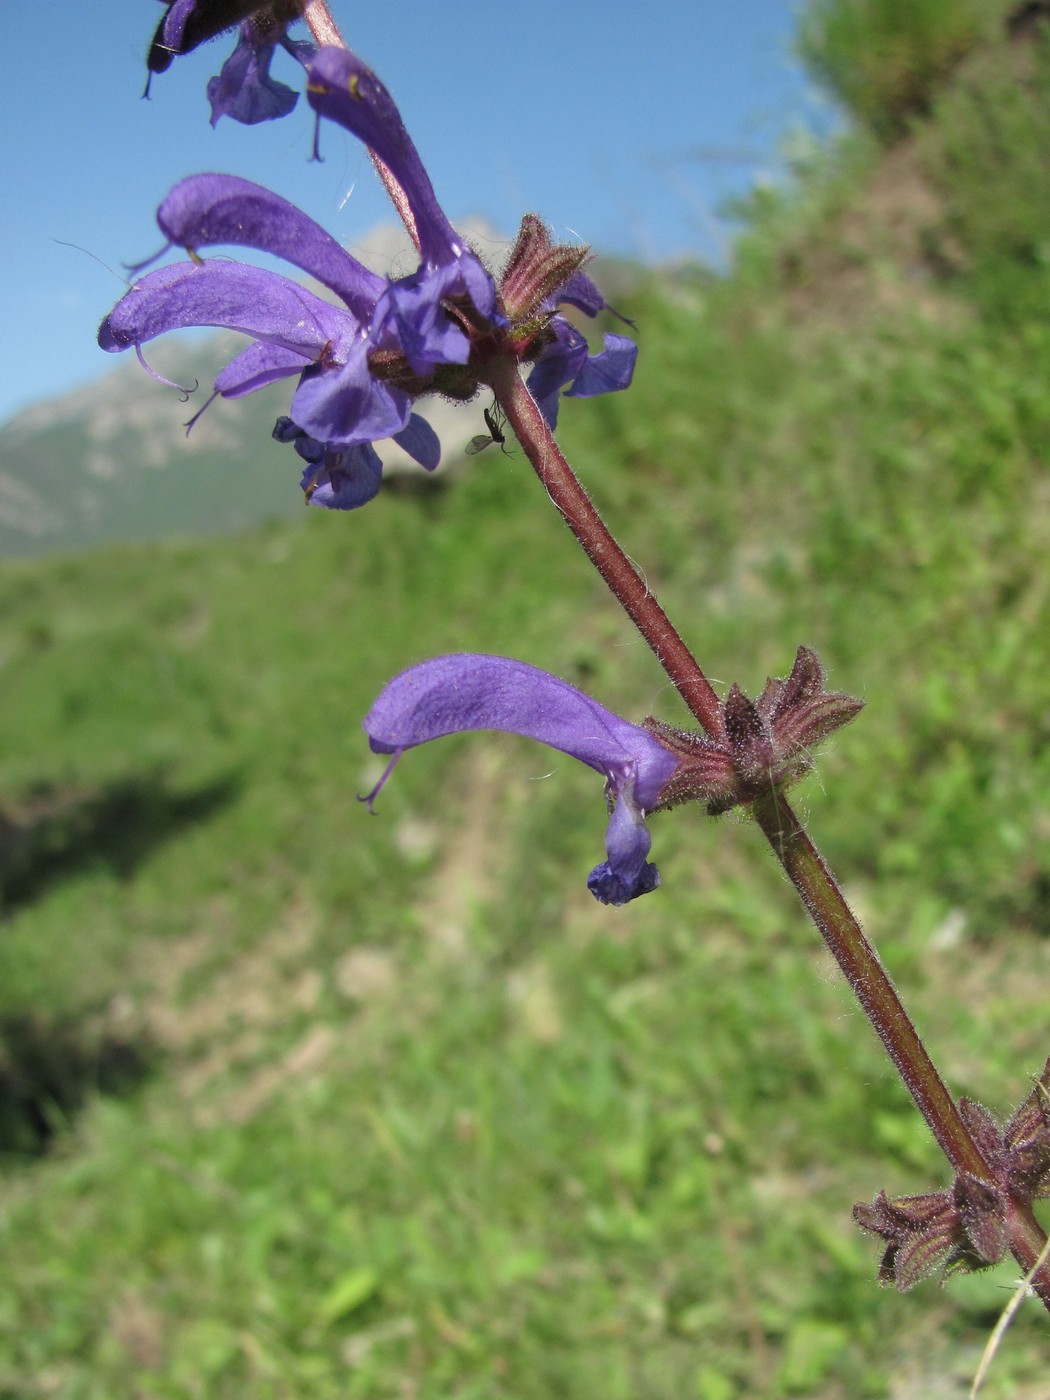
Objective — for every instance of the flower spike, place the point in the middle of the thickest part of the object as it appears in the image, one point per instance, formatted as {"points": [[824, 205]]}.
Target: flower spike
{"points": [[452, 694], [362, 363]]}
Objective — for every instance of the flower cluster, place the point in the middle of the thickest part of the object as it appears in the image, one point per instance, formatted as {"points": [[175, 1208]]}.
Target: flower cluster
{"points": [[366, 352], [363, 362]]}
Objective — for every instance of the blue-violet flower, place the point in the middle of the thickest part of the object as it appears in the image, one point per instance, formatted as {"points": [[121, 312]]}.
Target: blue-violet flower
{"points": [[339, 403], [451, 694], [363, 363], [244, 89]]}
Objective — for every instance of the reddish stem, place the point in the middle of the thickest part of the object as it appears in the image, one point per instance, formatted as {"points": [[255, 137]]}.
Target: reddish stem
{"points": [[869, 979], [1027, 1240]]}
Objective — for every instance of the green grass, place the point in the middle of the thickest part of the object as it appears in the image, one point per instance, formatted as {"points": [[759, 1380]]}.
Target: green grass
{"points": [[986, 154], [884, 60], [419, 1117]]}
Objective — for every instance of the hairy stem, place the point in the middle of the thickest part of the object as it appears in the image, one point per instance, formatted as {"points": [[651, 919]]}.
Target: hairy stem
{"points": [[870, 982], [319, 21], [1027, 1242]]}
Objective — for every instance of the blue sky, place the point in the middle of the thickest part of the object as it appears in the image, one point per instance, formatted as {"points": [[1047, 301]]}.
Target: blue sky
{"points": [[622, 124]]}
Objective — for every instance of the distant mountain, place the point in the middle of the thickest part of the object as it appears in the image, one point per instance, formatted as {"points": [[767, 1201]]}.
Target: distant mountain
{"points": [[113, 461]]}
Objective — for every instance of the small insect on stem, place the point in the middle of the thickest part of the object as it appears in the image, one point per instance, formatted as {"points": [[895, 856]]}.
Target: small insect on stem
{"points": [[494, 421]]}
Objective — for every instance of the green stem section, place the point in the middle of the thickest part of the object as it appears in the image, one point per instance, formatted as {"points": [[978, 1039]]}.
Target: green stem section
{"points": [[802, 862]]}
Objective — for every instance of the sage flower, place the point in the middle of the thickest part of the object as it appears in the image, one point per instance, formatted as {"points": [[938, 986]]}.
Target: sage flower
{"points": [[244, 89], [338, 402], [361, 363], [451, 694]]}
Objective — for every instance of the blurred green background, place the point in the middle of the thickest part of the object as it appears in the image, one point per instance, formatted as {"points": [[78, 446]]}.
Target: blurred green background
{"points": [[299, 1103]]}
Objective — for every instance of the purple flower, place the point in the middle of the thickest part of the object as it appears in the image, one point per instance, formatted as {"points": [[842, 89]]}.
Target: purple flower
{"points": [[414, 309], [244, 89], [343, 478], [450, 694], [567, 361], [539, 277], [339, 402]]}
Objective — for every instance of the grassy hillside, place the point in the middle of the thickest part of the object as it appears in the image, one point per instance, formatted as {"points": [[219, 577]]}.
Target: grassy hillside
{"points": [[392, 1106]]}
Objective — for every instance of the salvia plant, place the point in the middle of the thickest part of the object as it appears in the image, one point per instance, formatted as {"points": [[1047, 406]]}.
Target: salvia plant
{"points": [[357, 365]]}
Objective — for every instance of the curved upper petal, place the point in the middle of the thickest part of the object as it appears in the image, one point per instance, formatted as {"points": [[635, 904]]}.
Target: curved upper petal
{"points": [[252, 300], [346, 91], [210, 209], [176, 33], [582, 292], [467, 691]]}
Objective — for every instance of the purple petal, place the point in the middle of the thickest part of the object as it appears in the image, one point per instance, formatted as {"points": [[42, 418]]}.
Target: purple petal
{"points": [[566, 361], [610, 370], [171, 35], [244, 89], [205, 210], [252, 300], [559, 363], [173, 25], [343, 89], [420, 441], [580, 291], [342, 404], [302, 50], [260, 364], [410, 312], [348, 479], [336, 478], [626, 874], [450, 694]]}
